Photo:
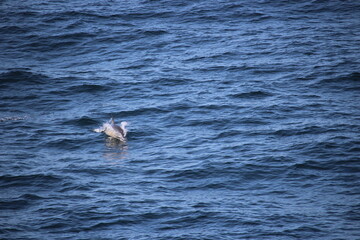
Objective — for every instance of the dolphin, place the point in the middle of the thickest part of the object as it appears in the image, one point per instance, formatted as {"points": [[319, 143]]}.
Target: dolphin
{"points": [[113, 130]]}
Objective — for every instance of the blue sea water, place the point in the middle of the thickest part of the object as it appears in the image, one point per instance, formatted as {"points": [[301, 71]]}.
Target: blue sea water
{"points": [[244, 119]]}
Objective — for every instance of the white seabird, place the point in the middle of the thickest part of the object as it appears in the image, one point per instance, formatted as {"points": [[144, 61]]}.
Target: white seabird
{"points": [[113, 130]]}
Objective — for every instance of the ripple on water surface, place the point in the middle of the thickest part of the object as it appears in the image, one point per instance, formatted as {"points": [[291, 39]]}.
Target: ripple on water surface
{"points": [[244, 120]]}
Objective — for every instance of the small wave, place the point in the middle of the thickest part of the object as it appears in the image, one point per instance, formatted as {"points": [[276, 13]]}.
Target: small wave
{"points": [[352, 77], [50, 45], [214, 56], [203, 122], [28, 180], [83, 121], [254, 16], [212, 106], [234, 174], [115, 16], [19, 203], [320, 6], [312, 165], [347, 81], [29, 196], [68, 143], [127, 220], [230, 133], [252, 95], [302, 131], [13, 30], [154, 32], [74, 36], [190, 219], [13, 204], [171, 81], [148, 133], [133, 66], [88, 88], [143, 111], [13, 118], [22, 76]]}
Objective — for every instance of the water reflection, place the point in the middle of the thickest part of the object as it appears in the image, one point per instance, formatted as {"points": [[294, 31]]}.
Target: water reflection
{"points": [[115, 150]]}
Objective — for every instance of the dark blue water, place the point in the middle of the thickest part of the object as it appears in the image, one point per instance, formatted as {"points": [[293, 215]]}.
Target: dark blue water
{"points": [[244, 119]]}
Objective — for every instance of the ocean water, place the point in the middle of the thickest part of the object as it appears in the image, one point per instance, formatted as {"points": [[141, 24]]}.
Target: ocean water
{"points": [[244, 119]]}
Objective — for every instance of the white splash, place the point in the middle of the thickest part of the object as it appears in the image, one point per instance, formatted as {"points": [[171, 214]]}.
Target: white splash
{"points": [[113, 130]]}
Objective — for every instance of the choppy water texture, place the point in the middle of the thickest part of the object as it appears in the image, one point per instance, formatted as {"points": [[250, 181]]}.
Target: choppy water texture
{"points": [[244, 119]]}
